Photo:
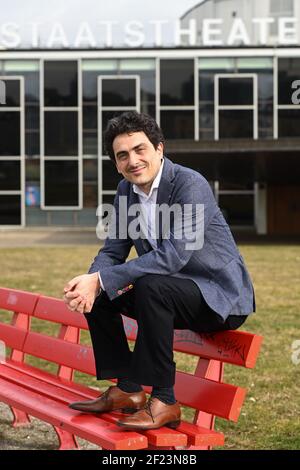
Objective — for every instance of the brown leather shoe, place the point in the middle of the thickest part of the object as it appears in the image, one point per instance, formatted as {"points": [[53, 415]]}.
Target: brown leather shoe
{"points": [[154, 415], [111, 400]]}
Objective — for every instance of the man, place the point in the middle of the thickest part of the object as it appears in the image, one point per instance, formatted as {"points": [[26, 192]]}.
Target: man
{"points": [[192, 279]]}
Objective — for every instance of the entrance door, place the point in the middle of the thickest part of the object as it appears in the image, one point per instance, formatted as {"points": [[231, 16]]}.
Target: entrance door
{"points": [[116, 94], [284, 210], [12, 152]]}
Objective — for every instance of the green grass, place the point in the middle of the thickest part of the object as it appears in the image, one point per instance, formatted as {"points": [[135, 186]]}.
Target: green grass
{"points": [[270, 414]]}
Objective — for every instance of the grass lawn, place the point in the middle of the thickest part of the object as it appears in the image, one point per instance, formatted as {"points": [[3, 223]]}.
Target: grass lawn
{"points": [[270, 416]]}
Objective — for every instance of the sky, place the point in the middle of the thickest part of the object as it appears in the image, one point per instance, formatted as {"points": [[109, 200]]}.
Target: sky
{"points": [[71, 12]]}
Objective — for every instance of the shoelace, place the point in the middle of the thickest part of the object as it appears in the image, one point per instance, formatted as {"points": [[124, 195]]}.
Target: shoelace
{"points": [[147, 408], [105, 394]]}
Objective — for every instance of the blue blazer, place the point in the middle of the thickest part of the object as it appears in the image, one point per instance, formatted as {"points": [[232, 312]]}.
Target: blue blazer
{"points": [[217, 267]]}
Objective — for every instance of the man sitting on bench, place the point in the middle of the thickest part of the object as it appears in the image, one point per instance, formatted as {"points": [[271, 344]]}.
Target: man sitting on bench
{"points": [[188, 274]]}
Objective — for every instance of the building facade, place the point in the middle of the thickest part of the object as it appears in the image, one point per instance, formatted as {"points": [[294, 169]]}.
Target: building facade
{"points": [[226, 94]]}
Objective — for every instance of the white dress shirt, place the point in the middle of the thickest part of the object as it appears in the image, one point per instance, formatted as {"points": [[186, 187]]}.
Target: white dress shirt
{"points": [[148, 207]]}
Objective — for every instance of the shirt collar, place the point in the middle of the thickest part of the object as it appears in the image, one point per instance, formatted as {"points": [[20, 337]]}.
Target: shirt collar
{"points": [[155, 184]]}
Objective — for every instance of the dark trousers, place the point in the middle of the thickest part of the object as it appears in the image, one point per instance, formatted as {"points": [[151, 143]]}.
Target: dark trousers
{"points": [[160, 304]]}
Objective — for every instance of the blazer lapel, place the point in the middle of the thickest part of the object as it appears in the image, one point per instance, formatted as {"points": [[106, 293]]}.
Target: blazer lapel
{"points": [[165, 189]]}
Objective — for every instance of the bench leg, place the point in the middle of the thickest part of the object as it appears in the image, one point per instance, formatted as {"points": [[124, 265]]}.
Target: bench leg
{"points": [[20, 418], [67, 441]]}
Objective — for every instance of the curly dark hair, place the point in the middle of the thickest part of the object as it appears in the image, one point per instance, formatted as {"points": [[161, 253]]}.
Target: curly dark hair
{"points": [[128, 122]]}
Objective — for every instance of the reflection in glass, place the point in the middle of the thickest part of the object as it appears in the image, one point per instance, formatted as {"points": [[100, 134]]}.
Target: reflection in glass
{"points": [[10, 133], [9, 175], [177, 82], [235, 124], [60, 83], [235, 91], [61, 183], [10, 209], [61, 133], [177, 124]]}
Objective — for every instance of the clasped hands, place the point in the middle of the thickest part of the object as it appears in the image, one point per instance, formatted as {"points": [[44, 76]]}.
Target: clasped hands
{"points": [[81, 291]]}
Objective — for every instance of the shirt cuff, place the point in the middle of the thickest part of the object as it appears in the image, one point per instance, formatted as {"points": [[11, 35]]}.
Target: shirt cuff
{"points": [[101, 283]]}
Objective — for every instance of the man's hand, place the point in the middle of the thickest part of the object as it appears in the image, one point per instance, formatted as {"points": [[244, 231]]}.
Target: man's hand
{"points": [[81, 291]]}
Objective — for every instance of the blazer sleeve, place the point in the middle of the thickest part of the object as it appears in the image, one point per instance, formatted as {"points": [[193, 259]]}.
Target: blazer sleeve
{"points": [[116, 249]]}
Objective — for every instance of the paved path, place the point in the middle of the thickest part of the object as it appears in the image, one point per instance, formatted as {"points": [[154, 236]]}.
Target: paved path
{"points": [[33, 237]]}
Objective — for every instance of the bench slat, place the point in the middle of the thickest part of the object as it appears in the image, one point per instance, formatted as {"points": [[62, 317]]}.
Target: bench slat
{"points": [[88, 427], [55, 310], [233, 347], [17, 300], [76, 356], [216, 398], [13, 336]]}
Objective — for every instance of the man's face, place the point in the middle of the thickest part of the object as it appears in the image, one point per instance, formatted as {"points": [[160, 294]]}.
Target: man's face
{"points": [[136, 159]]}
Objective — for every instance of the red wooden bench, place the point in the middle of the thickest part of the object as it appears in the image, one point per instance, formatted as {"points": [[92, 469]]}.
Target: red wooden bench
{"points": [[32, 391]]}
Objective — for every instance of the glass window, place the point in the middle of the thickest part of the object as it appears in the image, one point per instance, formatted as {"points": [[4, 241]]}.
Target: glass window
{"points": [[90, 195], [32, 87], [237, 209], [106, 116], [9, 176], [32, 143], [90, 183], [177, 124], [10, 133], [235, 124], [90, 117], [147, 82], [224, 64], [12, 92], [288, 122], [32, 117], [235, 91], [90, 170], [288, 71], [90, 143], [119, 92], [206, 121], [60, 83], [176, 82], [32, 168], [89, 85], [110, 176], [61, 183], [10, 209], [108, 198], [61, 133]]}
